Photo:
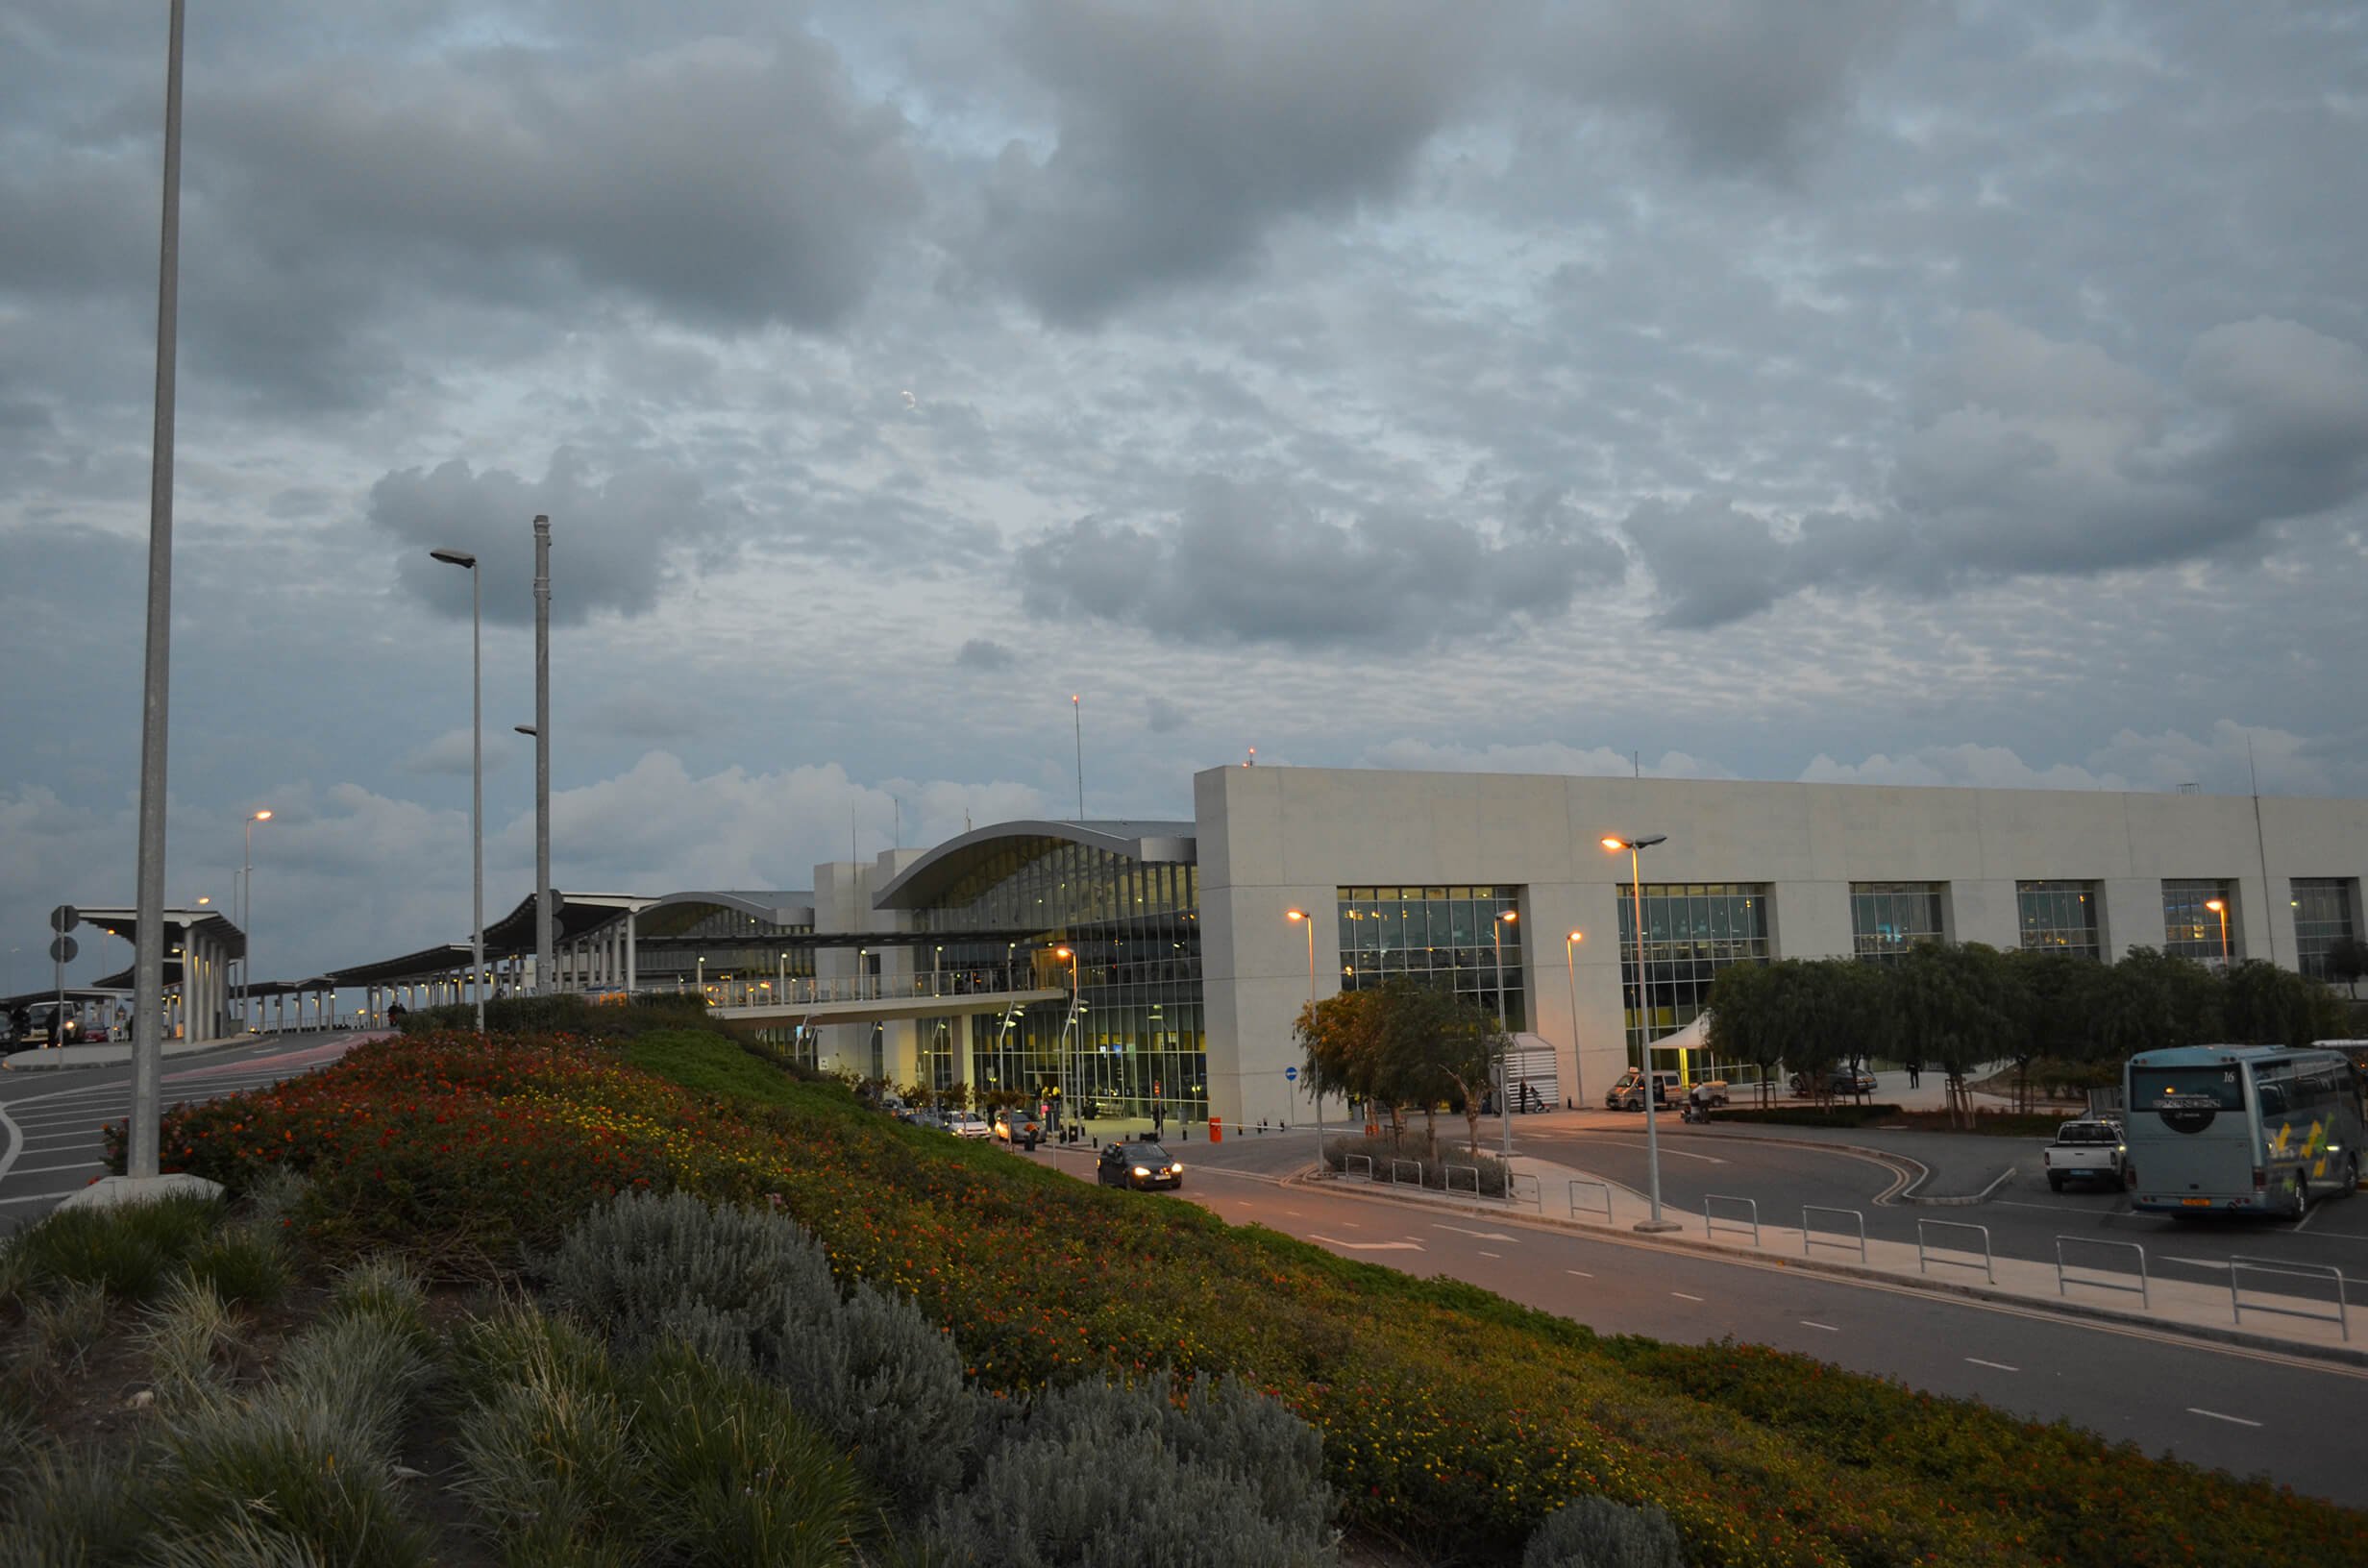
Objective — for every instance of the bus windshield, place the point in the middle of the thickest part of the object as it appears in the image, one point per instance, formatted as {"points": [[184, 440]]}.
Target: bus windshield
{"points": [[2186, 1088]]}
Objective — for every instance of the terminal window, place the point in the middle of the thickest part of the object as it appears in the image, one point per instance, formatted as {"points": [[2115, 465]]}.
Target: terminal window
{"points": [[2325, 914], [1692, 931], [1887, 919], [1448, 937], [2058, 918], [2191, 928]]}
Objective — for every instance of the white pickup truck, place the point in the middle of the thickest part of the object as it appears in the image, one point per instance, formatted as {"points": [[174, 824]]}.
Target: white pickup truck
{"points": [[2087, 1151]]}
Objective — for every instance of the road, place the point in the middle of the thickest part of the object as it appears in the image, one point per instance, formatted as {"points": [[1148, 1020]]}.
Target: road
{"points": [[50, 1122], [2223, 1406]]}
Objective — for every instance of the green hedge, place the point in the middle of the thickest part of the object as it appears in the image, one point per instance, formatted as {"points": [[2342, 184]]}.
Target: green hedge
{"points": [[1448, 1414]]}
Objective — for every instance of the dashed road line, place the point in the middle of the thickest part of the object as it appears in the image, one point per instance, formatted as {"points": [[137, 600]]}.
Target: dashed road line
{"points": [[1682, 1296], [1827, 1327], [1580, 1272], [2234, 1420], [1995, 1366], [1485, 1253], [1484, 1235]]}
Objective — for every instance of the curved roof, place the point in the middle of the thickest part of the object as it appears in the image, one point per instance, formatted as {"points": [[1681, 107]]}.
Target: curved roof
{"points": [[934, 873]]}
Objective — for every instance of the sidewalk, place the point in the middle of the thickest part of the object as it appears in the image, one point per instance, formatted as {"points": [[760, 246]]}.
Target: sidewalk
{"points": [[52, 1056], [2100, 1284]]}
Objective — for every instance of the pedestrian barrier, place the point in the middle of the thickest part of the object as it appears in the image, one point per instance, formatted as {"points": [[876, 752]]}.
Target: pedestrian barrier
{"points": [[2063, 1280], [1928, 1252], [1604, 1188], [1476, 1177], [1832, 1238], [1352, 1159], [2340, 1317], [1536, 1193], [1394, 1169], [1711, 1223]]}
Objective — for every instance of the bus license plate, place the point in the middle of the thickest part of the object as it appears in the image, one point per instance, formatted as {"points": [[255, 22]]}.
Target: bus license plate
{"points": [[2195, 1203]]}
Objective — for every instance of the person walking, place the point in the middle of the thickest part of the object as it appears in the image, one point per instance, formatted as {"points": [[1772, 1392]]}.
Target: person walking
{"points": [[1916, 1075]]}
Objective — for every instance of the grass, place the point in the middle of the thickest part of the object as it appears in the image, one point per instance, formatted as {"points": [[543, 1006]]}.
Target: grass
{"points": [[131, 1250]]}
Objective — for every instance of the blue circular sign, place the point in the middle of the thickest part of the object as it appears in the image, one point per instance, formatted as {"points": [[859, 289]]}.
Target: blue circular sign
{"points": [[1290, 1072]]}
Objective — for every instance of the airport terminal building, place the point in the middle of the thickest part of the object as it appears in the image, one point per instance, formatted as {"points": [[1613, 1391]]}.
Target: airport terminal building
{"points": [[1189, 971]]}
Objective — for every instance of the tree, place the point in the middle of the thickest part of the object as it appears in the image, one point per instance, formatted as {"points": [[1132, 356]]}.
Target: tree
{"points": [[2055, 1001], [1749, 1020], [1950, 1005], [2168, 1001], [1445, 1036], [2347, 960], [2264, 1005]]}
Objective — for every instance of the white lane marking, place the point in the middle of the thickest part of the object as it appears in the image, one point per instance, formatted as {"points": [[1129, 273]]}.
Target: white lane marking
{"points": [[2236, 1420], [53, 1195], [2198, 1262], [1367, 1246], [1682, 1296], [1484, 1235], [1485, 1253], [1580, 1272], [1995, 1366], [1668, 1153], [1827, 1327], [79, 1165]]}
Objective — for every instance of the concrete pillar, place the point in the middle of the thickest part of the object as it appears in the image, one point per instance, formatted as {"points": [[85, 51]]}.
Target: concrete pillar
{"points": [[632, 979]]}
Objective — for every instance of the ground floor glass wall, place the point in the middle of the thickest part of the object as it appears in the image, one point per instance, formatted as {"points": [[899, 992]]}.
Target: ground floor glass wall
{"points": [[2191, 928], [2058, 918], [1887, 919], [1692, 931], [1467, 940], [2325, 913]]}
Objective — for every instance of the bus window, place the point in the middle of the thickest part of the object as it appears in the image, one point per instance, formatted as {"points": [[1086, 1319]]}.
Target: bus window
{"points": [[2189, 1099]]}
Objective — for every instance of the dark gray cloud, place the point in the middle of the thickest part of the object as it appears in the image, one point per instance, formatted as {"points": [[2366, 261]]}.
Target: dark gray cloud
{"points": [[985, 653], [1249, 564], [1738, 86], [615, 541], [2054, 461], [1186, 130]]}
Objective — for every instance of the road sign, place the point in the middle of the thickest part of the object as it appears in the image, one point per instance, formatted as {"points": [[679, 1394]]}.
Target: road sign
{"points": [[64, 917], [1290, 1072], [61, 950]]}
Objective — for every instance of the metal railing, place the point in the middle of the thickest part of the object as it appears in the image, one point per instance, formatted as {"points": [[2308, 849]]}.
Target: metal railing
{"points": [[1394, 1169], [1536, 1189], [2063, 1280], [2340, 1316], [763, 991], [1450, 1170], [1604, 1188], [1712, 1224], [1831, 1238], [1352, 1159], [1928, 1252]]}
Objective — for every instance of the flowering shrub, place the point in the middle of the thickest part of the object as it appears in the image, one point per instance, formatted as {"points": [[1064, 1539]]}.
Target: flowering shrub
{"points": [[1444, 1410]]}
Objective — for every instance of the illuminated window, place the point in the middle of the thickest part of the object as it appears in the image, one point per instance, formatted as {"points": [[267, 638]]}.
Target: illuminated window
{"points": [[2058, 918], [1448, 937], [1887, 919]]}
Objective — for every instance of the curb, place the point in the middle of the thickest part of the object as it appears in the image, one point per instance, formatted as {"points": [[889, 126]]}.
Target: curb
{"points": [[2346, 1355], [16, 1063], [1887, 1156]]}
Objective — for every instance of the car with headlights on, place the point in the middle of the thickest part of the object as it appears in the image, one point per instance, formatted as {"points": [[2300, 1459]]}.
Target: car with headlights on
{"points": [[1140, 1165], [968, 1124]]}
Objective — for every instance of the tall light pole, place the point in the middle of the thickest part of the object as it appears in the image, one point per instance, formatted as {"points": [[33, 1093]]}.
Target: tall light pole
{"points": [[1504, 1063], [1652, 1126], [246, 920], [546, 906], [142, 1141], [2220, 907], [1570, 963], [1068, 1111], [1315, 1076], [1076, 719], [477, 770]]}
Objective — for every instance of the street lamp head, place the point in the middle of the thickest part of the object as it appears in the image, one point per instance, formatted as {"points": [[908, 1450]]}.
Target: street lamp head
{"points": [[1510, 915], [523, 729], [2215, 905], [1295, 914], [260, 817], [1615, 846], [453, 557], [1578, 936], [1063, 952]]}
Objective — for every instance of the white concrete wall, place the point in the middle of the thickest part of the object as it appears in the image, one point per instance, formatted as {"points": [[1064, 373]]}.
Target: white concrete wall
{"points": [[1272, 839]]}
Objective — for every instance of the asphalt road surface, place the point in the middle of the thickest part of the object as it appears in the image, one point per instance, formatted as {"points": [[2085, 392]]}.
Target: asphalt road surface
{"points": [[51, 1121], [2223, 1406]]}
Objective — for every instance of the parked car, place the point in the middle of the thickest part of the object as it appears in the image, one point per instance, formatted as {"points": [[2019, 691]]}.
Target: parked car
{"points": [[1627, 1092], [1017, 1126], [968, 1124], [1842, 1081], [1139, 1164], [2087, 1150]]}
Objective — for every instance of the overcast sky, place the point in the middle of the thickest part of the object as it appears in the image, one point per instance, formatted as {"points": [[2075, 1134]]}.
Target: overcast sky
{"points": [[1829, 389]]}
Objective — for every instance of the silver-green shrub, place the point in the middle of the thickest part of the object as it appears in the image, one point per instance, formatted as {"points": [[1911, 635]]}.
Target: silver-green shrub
{"points": [[751, 1289], [1102, 1472], [1591, 1531]]}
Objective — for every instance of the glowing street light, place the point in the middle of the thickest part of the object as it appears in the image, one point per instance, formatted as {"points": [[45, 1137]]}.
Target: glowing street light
{"points": [[1315, 1078], [1504, 1068], [1570, 963], [2219, 907], [477, 769], [246, 920], [1652, 1129]]}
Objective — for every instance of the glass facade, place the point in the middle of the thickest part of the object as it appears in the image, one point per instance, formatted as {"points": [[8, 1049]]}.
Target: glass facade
{"points": [[1134, 1038], [1692, 931], [2192, 930], [1889, 917], [2058, 918], [670, 940], [1450, 939], [2325, 912]]}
